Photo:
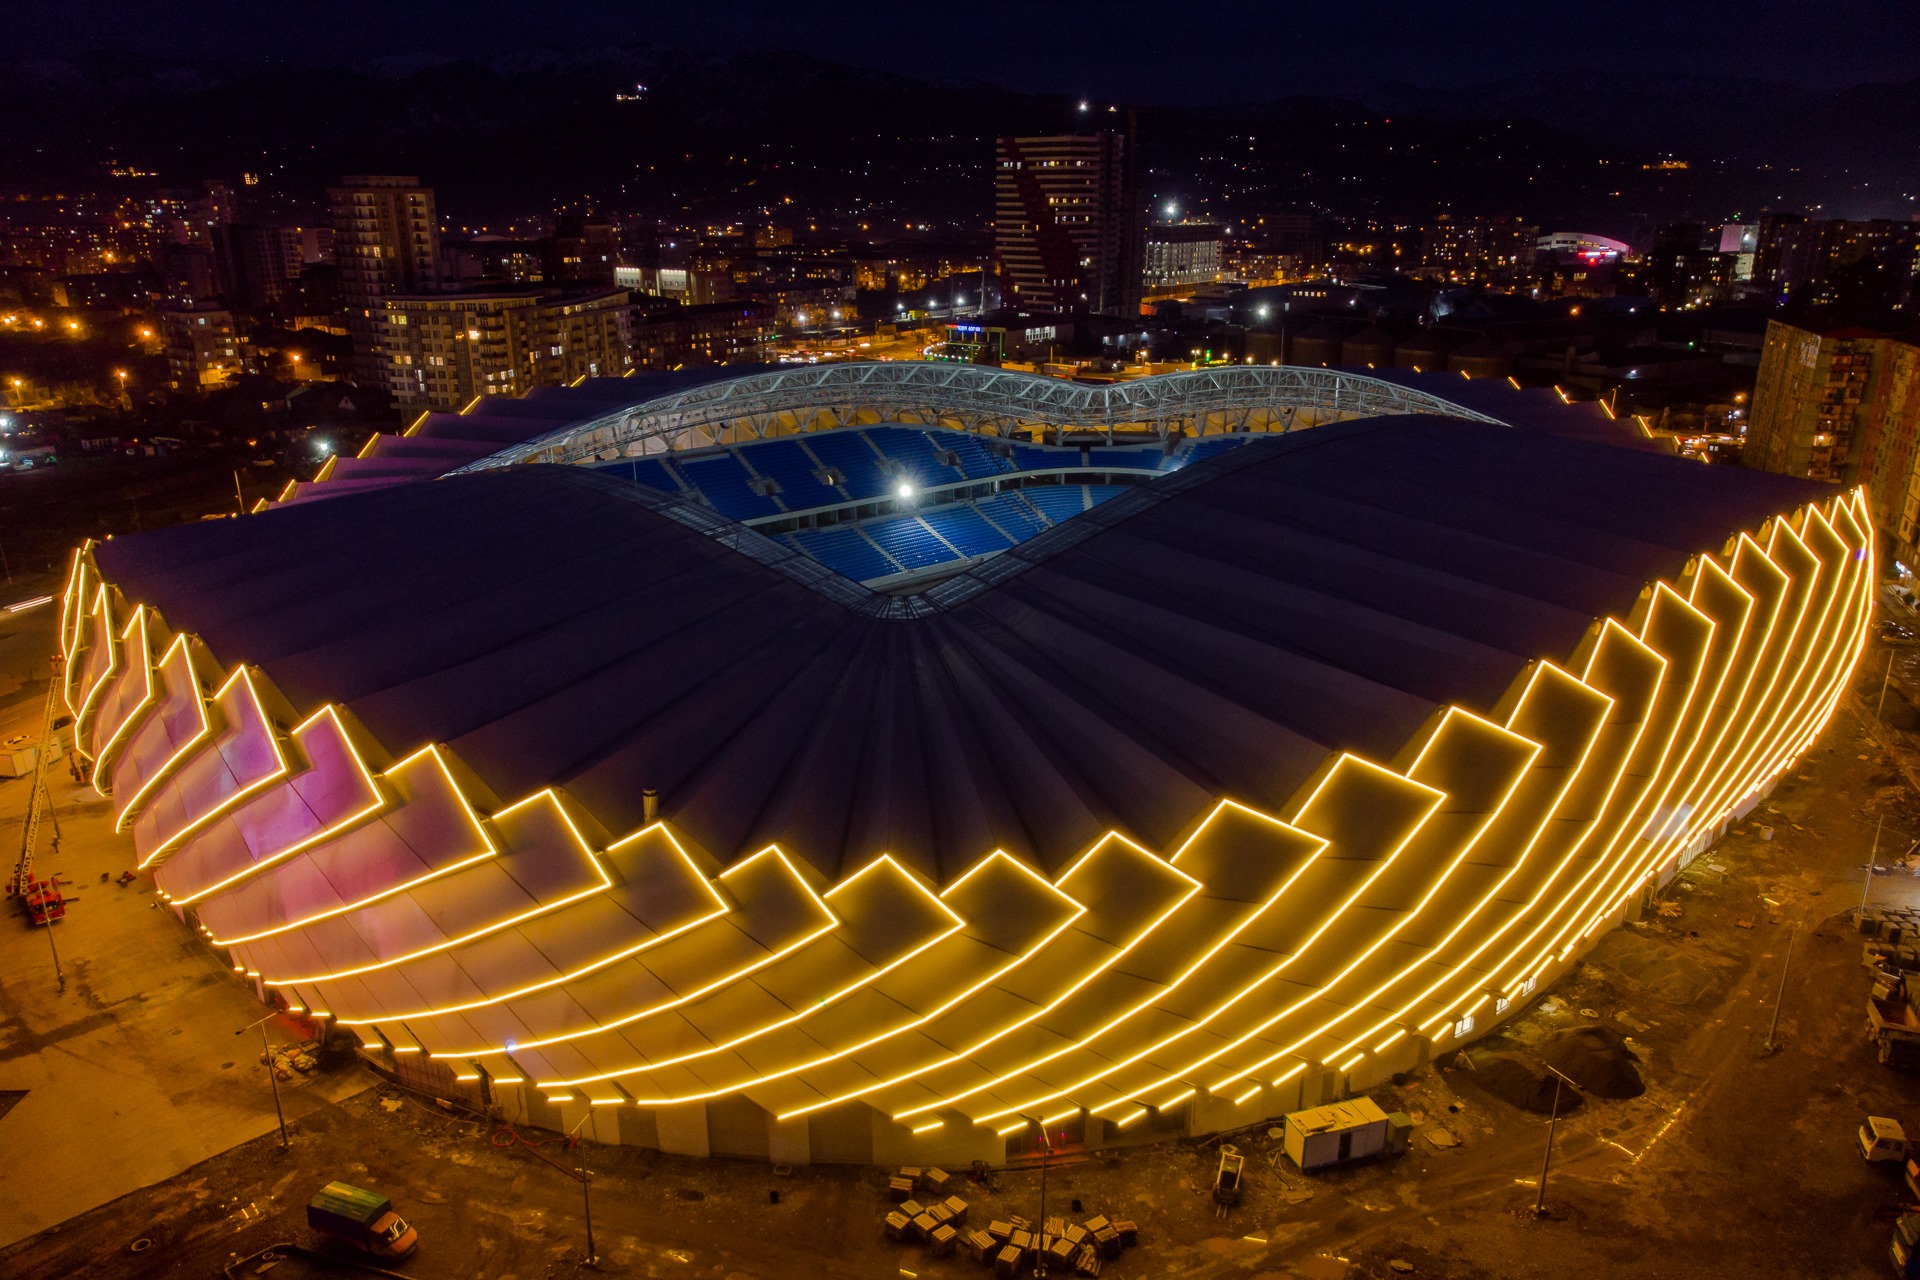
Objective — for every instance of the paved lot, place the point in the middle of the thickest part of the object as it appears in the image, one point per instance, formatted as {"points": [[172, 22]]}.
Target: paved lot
{"points": [[132, 1073], [1735, 1161]]}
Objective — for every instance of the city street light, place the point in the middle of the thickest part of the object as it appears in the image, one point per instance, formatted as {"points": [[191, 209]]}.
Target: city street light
{"points": [[268, 1049], [1540, 1199], [1046, 1149], [585, 1175]]}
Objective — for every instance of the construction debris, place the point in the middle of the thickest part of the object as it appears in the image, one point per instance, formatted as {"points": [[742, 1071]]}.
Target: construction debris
{"points": [[1008, 1245]]}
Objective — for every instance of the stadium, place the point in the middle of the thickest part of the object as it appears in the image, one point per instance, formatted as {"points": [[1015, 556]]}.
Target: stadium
{"points": [[866, 762]]}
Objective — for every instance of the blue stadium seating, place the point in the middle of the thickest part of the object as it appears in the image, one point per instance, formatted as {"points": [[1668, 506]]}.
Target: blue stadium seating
{"points": [[726, 485], [1012, 513], [1207, 447], [1057, 502], [1027, 457], [1099, 493], [849, 453], [651, 472], [844, 551], [909, 541], [976, 460], [788, 462], [914, 450], [966, 529]]}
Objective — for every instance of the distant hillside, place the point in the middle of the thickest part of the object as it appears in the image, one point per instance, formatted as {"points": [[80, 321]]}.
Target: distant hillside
{"points": [[713, 138]]}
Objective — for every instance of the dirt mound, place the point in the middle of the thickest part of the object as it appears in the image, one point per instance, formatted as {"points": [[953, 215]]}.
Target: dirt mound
{"points": [[1660, 969], [1513, 1079], [1597, 1059]]}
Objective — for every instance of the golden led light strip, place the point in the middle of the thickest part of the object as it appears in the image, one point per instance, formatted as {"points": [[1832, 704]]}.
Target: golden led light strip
{"points": [[1754, 736], [720, 908], [1278, 969], [227, 803], [1436, 798], [1622, 883], [1193, 888], [69, 606], [547, 793], [1627, 756], [327, 830], [1809, 708], [951, 1004], [1175, 985], [1038, 1012], [864, 981], [1658, 846], [614, 1024], [101, 757], [1548, 811], [1611, 629], [103, 604], [956, 924], [1768, 697], [1542, 670], [131, 804], [473, 820], [1661, 594], [1707, 571], [1107, 1071]]}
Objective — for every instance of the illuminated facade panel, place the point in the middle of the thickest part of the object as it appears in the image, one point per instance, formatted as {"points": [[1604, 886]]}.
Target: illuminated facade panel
{"points": [[1160, 823]]}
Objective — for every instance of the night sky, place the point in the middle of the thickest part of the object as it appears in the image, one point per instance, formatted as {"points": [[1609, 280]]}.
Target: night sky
{"points": [[1166, 51]]}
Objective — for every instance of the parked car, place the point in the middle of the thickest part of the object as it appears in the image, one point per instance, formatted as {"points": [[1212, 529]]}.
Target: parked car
{"points": [[1882, 1139]]}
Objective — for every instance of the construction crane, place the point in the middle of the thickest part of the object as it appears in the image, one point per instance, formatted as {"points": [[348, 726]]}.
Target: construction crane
{"points": [[44, 901]]}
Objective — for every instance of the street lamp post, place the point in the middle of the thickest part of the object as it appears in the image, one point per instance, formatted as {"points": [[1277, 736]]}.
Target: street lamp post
{"points": [[1540, 1199], [1046, 1149], [278, 1112], [586, 1193]]}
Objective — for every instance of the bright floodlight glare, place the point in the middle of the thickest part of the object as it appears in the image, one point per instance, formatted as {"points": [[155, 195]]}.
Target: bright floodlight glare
{"points": [[905, 490]]}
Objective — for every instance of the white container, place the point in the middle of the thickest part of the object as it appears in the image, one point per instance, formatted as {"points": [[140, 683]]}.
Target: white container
{"points": [[1336, 1133]]}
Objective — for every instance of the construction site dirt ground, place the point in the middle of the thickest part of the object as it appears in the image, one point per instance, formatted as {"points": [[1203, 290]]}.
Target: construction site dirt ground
{"points": [[1736, 1161]]}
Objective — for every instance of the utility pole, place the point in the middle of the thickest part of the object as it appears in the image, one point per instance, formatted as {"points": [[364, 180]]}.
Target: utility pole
{"points": [[1046, 1149], [267, 1048], [1885, 680], [1872, 857], [1540, 1199], [1780, 994], [586, 1200], [585, 1175]]}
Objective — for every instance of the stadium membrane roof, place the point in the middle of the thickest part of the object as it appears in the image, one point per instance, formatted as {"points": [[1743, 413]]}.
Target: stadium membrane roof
{"points": [[1215, 634]]}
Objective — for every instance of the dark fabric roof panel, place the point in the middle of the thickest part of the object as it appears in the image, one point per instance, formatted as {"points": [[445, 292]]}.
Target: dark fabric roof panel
{"points": [[1316, 591]]}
